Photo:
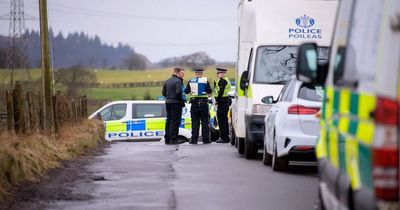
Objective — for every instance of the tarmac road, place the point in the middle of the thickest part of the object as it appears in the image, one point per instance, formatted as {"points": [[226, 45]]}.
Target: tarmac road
{"points": [[151, 175]]}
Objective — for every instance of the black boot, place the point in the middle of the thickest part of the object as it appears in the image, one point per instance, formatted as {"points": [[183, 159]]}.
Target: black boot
{"points": [[222, 141]]}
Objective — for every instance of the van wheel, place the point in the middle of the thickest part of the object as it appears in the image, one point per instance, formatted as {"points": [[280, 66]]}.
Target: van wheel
{"points": [[240, 145], [232, 136], [250, 149], [278, 163], [267, 158]]}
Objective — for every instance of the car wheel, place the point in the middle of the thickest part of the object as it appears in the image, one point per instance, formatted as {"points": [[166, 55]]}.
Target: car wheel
{"points": [[278, 163], [240, 145], [267, 158], [232, 136], [250, 149]]}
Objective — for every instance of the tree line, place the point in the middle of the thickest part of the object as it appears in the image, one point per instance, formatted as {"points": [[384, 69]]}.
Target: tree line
{"points": [[77, 49]]}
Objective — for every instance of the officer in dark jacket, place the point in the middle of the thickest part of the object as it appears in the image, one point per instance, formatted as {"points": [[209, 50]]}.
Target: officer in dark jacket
{"points": [[174, 100], [221, 89], [198, 87]]}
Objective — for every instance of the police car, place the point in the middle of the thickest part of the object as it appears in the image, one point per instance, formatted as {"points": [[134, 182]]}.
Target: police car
{"points": [[139, 120]]}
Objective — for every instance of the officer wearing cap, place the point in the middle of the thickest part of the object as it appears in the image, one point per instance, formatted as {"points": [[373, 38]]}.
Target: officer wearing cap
{"points": [[198, 87], [221, 88]]}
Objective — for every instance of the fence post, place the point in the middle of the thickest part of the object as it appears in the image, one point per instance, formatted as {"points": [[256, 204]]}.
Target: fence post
{"points": [[84, 107], [55, 114], [41, 111], [19, 117], [10, 111], [31, 111]]}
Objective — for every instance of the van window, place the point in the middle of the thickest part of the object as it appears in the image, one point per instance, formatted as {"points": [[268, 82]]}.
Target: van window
{"points": [[277, 64], [311, 92], [118, 111], [339, 44], [113, 112], [148, 110], [106, 113], [362, 48]]}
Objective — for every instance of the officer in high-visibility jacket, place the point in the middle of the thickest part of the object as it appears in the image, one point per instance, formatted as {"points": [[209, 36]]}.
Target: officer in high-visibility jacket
{"points": [[198, 87], [223, 102]]}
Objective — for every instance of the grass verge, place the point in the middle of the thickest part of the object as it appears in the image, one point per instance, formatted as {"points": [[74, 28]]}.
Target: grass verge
{"points": [[28, 158]]}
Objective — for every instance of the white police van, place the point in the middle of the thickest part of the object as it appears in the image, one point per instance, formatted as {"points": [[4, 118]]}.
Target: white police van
{"points": [[139, 120], [270, 32]]}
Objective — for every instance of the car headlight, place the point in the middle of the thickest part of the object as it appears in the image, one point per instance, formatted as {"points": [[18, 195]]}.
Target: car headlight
{"points": [[261, 109]]}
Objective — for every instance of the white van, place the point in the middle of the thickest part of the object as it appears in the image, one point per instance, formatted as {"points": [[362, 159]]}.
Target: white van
{"points": [[270, 32]]}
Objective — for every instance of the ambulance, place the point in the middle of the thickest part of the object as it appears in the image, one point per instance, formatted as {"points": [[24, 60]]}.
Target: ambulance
{"points": [[270, 32], [139, 120], [358, 145]]}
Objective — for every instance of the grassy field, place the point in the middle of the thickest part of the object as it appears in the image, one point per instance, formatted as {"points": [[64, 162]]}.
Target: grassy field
{"points": [[123, 76], [122, 93]]}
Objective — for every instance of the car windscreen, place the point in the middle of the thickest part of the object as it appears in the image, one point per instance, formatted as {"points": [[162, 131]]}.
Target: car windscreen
{"points": [[277, 64], [148, 110], [311, 92]]}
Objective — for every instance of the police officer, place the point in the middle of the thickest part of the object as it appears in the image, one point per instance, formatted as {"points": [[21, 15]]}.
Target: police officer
{"points": [[198, 87], [221, 89], [174, 101]]}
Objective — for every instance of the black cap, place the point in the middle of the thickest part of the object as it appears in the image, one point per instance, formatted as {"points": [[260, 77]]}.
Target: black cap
{"points": [[221, 70], [198, 69]]}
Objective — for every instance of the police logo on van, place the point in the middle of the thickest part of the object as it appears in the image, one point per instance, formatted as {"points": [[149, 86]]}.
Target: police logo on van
{"points": [[305, 21], [305, 29]]}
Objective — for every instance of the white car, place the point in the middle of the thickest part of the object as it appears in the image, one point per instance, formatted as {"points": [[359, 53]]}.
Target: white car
{"points": [[139, 120], [292, 126]]}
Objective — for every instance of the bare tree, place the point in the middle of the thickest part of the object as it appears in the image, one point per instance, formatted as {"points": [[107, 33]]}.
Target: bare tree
{"points": [[75, 78]]}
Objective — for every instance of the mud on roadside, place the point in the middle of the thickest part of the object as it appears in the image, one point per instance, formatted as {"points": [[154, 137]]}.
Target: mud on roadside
{"points": [[56, 185]]}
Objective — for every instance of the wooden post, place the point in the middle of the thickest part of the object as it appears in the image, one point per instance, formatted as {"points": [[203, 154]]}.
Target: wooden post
{"points": [[84, 107], [79, 108], [19, 105], [58, 108], [10, 111], [31, 111], [41, 111], [56, 114], [47, 74]]}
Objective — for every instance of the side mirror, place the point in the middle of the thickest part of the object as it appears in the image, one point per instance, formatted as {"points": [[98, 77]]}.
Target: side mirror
{"points": [[231, 94], [98, 116], [307, 63], [244, 82], [268, 100]]}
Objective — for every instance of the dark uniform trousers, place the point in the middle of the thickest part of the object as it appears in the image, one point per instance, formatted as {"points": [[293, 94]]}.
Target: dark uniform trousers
{"points": [[222, 115], [174, 118], [199, 112]]}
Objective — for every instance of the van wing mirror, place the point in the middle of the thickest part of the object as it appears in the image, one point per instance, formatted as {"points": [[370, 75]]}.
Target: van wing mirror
{"points": [[307, 63], [98, 116], [244, 82]]}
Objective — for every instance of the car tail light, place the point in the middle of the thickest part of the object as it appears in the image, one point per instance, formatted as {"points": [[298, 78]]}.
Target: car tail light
{"points": [[385, 152], [298, 109], [303, 148]]}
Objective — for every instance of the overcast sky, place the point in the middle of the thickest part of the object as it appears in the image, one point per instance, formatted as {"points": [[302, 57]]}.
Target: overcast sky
{"points": [[155, 28]]}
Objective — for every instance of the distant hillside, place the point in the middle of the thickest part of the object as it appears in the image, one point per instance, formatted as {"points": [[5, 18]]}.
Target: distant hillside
{"points": [[81, 49]]}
